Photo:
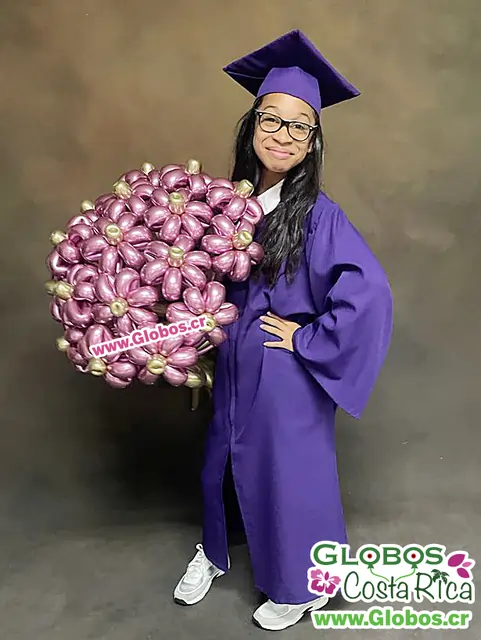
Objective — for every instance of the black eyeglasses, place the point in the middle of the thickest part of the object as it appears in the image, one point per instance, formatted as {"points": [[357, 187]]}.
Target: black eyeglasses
{"points": [[270, 123]]}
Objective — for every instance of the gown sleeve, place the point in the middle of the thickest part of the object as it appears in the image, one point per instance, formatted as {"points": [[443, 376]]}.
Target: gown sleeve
{"points": [[344, 348]]}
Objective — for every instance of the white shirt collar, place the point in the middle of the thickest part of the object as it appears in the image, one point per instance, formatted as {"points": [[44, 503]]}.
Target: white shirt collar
{"points": [[271, 198]]}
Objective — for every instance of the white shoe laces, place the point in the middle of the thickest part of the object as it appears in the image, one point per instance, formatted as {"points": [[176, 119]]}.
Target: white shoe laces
{"points": [[196, 566]]}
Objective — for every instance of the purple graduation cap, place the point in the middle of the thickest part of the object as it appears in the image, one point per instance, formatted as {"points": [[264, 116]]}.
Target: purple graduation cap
{"points": [[291, 64]]}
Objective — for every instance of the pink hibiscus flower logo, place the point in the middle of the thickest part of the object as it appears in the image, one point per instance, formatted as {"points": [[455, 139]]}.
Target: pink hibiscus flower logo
{"points": [[461, 562], [322, 583]]}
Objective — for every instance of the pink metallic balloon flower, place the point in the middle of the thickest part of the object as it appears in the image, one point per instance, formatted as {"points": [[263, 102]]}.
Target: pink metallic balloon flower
{"points": [[168, 358], [175, 267], [122, 297], [176, 213], [234, 201], [116, 369], [209, 303], [233, 247]]}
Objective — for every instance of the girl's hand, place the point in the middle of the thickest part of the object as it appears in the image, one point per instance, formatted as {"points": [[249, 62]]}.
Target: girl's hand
{"points": [[284, 329]]}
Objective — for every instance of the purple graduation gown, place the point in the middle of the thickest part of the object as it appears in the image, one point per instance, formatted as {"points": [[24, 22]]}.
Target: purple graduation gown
{"points": [[274, 409]]}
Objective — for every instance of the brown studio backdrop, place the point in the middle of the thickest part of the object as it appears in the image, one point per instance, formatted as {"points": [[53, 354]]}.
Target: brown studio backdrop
{"points": [[91, 89]]}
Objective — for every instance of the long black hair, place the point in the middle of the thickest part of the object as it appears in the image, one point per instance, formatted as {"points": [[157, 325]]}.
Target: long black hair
{"points": [[281, 234]]}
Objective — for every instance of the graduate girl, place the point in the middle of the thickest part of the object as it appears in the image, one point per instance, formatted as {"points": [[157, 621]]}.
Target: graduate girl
{"points": [[314, 329]]}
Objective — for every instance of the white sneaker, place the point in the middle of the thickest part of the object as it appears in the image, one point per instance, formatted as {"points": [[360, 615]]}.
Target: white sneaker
{"points": [[275, 617], [197, 580]]}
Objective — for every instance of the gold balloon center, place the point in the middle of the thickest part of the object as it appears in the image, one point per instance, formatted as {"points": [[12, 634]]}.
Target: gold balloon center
{"points": [[156, 364], [122, 189], [87, 205], [56, 237], [244, 189], [193, 167], [113, 233], [176, 201], [63, 290], [50, 287], [119, 307], [176, 256], [97, 367], [242, 239], [194, 379], [62, 344], [209, 323], [147, 167]]}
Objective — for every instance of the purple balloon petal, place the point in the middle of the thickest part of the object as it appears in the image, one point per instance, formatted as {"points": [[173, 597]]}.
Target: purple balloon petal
{"points": [[147, 378], [143, 297], [76, 357], [125, 326], [255, 252], [223, 226], [236, 208], [77, 313], [138, 356], [200, 259], [137, 205], [227, 314], [126, 281], [92, 248], [78, 232], [197, 186], [101, 314], [242, 267], [175, 377], [115, 210], [194, 301], [254, 212], [116, 383], [133, 176], [184, 357], [193, 276], [172, 284], [56, 265], [216, 245], [217, 336], [171, 344], [105, 289], [131, 256], [200, 210], [156, 249], [126, 222], [178, 311], [110, 262], [192, 226], [185, 242], [171, 228], [156, 216], [160, 197], [84, 291], [56, 309], [123, 369], [138, 236], [74, 335], [224, 263], [173, 180], [141, 317], [214, 296], [143, 190], [153, 272]]}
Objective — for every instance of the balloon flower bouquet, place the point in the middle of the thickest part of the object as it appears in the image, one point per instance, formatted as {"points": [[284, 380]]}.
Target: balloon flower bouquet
{"points": [[154, 251]]}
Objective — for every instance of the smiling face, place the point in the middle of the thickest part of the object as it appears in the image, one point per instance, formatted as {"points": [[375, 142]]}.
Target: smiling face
{"points": [[278, 151]]}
